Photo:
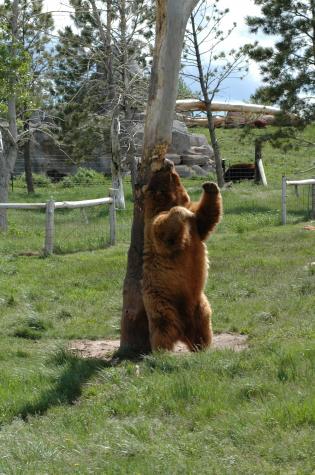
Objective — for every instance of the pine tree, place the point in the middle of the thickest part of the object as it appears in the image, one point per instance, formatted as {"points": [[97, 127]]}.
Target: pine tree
{"points": [[99, 68], [288, 67]]}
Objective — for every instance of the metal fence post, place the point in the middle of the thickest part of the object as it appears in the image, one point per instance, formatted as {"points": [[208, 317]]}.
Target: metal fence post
{"points": [[49, 235], [112, 219]]}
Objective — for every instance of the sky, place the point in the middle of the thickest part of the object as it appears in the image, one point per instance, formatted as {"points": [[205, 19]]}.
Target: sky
{"points": [[234, 89]]}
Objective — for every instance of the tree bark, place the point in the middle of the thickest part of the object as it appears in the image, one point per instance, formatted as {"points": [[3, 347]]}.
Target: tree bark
{"points": [[4, 185], [124, 59], [7, 159], [28, 167], [171, 21], [186, 105], [116, 171], [27, 160]]}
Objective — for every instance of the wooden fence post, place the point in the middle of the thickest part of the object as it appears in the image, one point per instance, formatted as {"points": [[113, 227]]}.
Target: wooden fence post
{"points": [[112, 218], [49, 236], [284, 201]]}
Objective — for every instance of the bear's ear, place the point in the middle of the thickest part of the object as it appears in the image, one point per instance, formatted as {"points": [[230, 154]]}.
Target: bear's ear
{"points": [[144, 188]]}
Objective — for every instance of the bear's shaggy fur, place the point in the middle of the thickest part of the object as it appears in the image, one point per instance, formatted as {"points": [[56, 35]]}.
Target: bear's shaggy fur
{"points": [[175, 260]]}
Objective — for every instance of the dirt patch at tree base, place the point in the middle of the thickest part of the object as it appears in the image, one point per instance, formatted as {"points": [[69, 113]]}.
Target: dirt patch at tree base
{"points": [[106, 348]]}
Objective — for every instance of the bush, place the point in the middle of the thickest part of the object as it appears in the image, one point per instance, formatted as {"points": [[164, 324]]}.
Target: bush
{"points": [[84, 176], [38, 180]]}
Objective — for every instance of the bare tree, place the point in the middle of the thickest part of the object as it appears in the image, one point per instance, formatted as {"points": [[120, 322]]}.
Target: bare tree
{"points": [[171, 20], [208, 65]]}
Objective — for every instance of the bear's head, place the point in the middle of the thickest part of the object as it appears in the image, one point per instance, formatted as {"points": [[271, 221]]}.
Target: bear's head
{"points": [[164, 190]]}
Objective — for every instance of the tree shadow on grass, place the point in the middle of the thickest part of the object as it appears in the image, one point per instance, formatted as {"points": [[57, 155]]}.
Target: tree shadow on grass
{"points": [[68, 386]]}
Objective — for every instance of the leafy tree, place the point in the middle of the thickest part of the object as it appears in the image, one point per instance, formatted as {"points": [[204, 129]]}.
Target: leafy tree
{"points": [[13, 72], [24, 58], [287, 67]]}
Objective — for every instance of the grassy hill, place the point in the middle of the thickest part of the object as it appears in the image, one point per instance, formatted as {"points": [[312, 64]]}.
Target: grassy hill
{"points": [[217, 412]]}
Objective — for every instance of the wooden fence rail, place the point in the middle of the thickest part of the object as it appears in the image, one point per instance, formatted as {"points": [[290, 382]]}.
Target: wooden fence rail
{"points": [[295, 183], [51, 206]]}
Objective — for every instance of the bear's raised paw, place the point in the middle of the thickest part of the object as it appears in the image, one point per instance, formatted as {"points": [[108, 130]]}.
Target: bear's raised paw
{"points": [[211, 187]]}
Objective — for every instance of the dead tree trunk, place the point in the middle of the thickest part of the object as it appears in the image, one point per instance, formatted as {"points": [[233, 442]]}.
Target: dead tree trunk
{"points": [[171, 20], [8, 154], [27, 159], [4, 184], [116, 168]]}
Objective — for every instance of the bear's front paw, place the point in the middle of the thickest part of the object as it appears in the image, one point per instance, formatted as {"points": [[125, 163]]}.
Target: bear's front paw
{"points": [[211, 187]]}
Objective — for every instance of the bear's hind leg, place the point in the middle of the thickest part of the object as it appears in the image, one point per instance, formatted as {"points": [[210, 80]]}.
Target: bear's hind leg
{"points": [[164, 325], [201, 336]]}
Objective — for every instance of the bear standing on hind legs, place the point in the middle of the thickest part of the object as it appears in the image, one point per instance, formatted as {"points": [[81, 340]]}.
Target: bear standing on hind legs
{"points": [[175, 263]]}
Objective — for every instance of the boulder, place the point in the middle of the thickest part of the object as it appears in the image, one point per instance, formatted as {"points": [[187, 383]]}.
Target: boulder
{"points": [[180, 142], [203, 150], [184, 172], [191, 159], [209, 167], [199, 171], [180, 127], [174, 158], [198, 140]]}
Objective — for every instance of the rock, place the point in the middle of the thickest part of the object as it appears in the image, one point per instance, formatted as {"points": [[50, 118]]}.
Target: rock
{"points": [[199, 171], [180, 142], [190, 159], [209, 167], [183, 171], [174, 158], [203, 150], [197, 140], [180, 126]]}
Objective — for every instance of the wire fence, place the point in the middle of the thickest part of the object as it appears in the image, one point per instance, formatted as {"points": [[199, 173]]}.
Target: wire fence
{"points": [[298, 200], [80, 229], [75, 230]]}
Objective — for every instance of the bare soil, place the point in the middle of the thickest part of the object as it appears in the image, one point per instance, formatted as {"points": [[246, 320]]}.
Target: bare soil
{"points": [[105, 348]]}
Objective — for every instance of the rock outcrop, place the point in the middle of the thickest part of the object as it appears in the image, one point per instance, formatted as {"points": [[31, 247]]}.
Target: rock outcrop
{"points": [[190, 153]]}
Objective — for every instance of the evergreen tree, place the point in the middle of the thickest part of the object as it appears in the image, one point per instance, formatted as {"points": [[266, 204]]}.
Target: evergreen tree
{"points": [[288, 67], [99, 67]]}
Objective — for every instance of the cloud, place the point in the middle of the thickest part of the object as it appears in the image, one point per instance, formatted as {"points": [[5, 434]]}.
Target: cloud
{"points": [[60, 11]]}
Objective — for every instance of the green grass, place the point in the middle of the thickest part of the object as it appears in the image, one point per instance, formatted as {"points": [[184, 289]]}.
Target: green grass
{"points": [[217, 412]]}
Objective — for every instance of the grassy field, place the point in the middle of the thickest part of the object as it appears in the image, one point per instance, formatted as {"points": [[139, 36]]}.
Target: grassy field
{"points": [[217, 412]]}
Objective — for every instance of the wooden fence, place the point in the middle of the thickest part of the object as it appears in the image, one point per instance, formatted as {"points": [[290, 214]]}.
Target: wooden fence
{"points": [[51, 206], [296, 184]]}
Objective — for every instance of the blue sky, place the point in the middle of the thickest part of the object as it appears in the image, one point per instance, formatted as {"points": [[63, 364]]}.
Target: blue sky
{"points": [[233, 89]]}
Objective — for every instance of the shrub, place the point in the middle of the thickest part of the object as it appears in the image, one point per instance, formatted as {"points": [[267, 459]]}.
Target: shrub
{"points": [[38, 180], [84, 176]]}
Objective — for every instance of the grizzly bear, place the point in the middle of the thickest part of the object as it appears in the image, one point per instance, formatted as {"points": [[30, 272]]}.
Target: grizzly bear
{"points": [[175, 263]]}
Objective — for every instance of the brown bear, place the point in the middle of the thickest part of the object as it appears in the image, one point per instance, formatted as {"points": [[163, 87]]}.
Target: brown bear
{"points": [[175, 262]]}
